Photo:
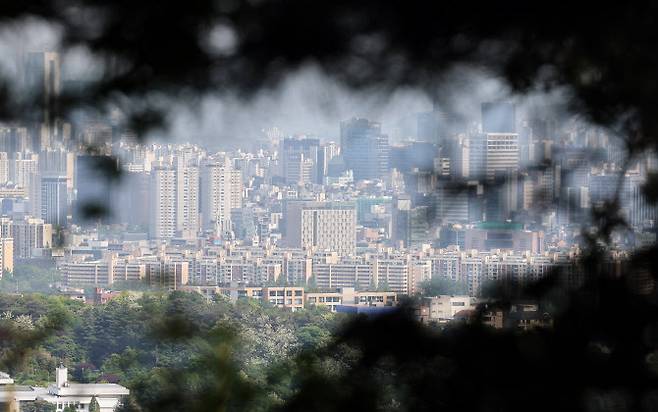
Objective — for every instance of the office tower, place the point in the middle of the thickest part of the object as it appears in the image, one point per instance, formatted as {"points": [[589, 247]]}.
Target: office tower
{"points": [[93, 188], [364, 148], [43, 84], [502, 196], [321, 225], [498, 117], [187, 199], [416, 155], [58, 162], [502, 153], [13, 140], [641, 212], [6, 256], [452, 203], [411, 225], [221, 191], [327, 152], [54, 200], [30, 234], [162, 203], [526, 155], [300, 160], [476, 147]]}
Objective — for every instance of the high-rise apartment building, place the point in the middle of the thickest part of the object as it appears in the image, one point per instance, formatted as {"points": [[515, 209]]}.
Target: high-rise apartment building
{"points": [[364, 148], [24, 172], [321, 225], [4, 168], [162, 203], [187, 199], [13, 139], [221, 191], [58, 162], [6, 256], [30, 234]]}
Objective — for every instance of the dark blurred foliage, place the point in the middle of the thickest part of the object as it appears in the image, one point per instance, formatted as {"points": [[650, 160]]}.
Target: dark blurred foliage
{"points": [[600, 355], [604, 53]]}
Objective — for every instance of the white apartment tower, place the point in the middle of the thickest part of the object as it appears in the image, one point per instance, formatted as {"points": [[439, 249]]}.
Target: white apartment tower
{"points": [[187, 199], [162, 203], [221, 191], [4, 168]]}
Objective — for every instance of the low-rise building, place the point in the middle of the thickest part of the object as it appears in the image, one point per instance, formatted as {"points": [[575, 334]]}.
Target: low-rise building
{"points": [[349, 296], [443, 308], [62, 394], [289, 297]]}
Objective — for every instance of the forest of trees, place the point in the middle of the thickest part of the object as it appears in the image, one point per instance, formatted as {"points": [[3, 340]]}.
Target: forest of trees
{"points": [[140, 342]]}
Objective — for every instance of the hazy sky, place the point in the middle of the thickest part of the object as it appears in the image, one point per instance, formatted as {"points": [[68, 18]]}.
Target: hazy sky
{"points": [[307, 102]]}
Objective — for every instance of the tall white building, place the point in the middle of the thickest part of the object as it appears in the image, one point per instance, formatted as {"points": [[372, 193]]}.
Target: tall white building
{"points": [[321, 225], [162, 203], [187, 199], [221, 191], [4, 168], [502, 153], [6, 255]]}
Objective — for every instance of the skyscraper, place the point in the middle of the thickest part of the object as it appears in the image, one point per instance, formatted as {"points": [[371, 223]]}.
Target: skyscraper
{"points": [[300, 160], [502, 153], [364, 148], [43, 85], [498, 117], [57, 162], [476, 147], [54, 200]]}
